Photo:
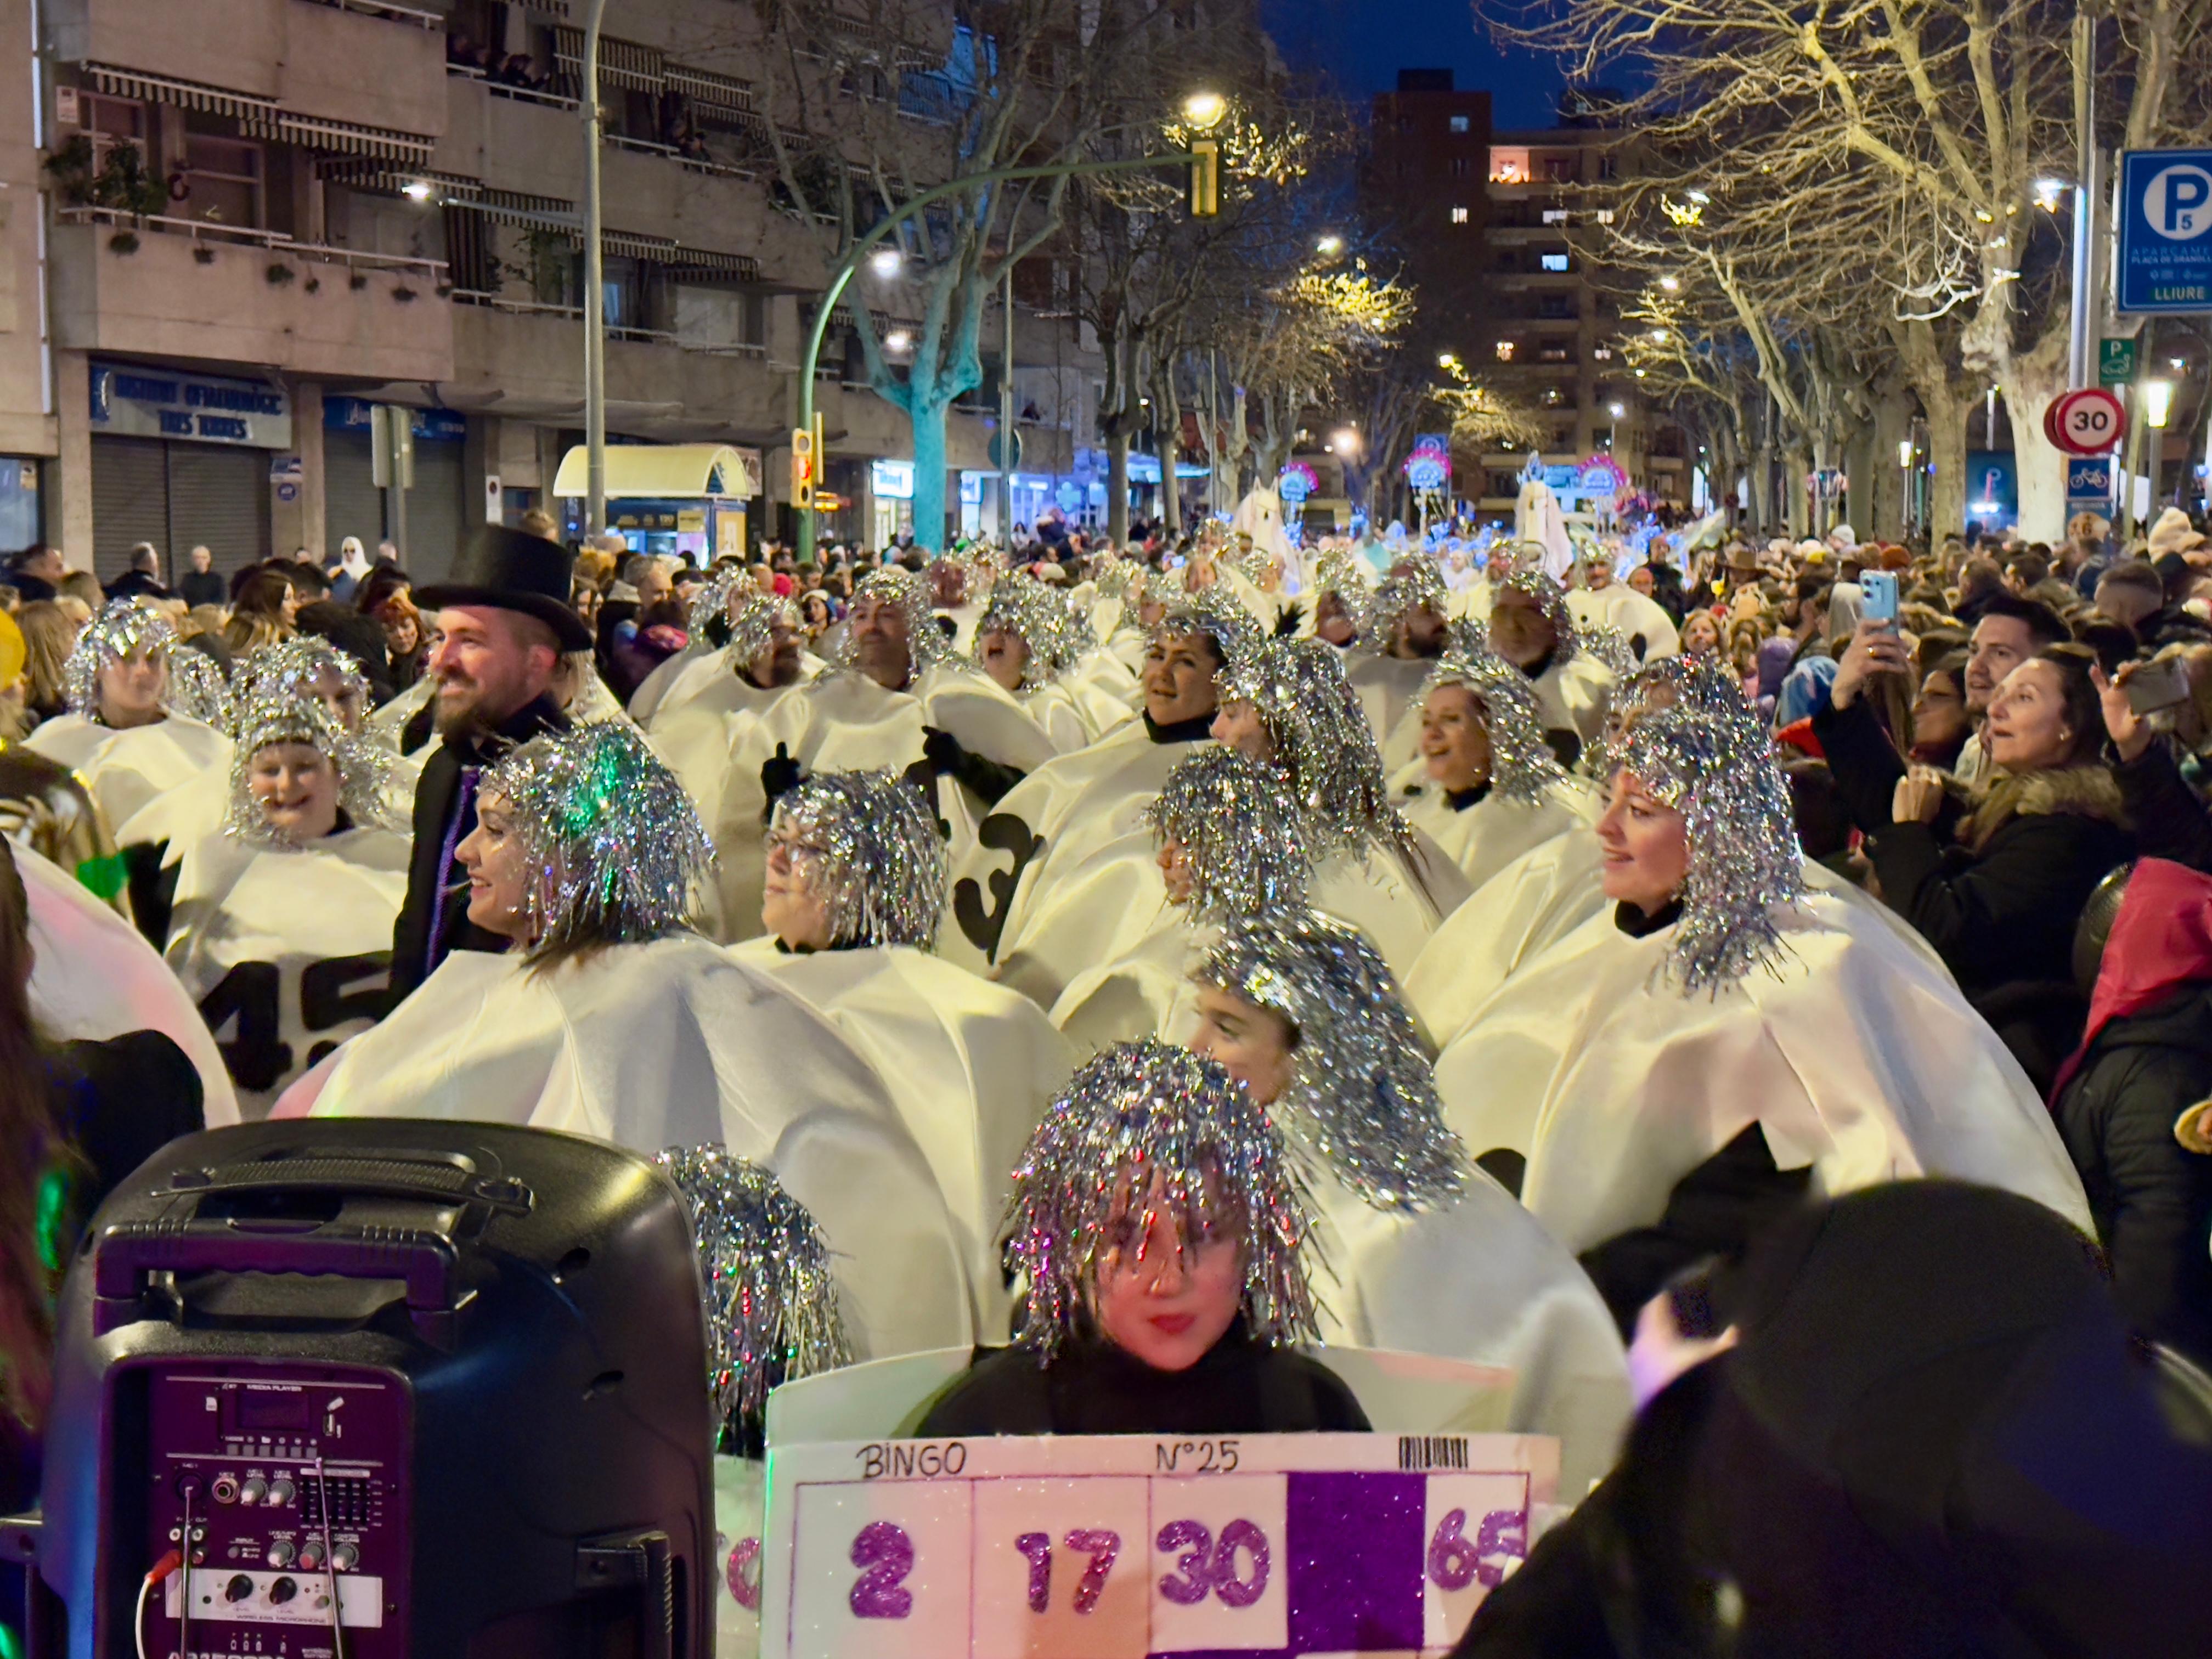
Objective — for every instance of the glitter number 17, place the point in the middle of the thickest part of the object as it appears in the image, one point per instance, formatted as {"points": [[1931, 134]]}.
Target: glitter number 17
{"points": [[1102, 1548]]}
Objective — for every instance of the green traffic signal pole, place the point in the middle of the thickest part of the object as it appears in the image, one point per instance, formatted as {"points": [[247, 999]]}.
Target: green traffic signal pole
{"points": [[867, 243]]}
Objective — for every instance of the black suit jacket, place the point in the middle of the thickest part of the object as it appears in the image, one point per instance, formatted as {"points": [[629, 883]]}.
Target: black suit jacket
{"points": [[415, 953]]}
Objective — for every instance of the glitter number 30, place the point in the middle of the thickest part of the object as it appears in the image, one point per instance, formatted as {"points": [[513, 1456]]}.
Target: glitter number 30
{"points": [[1208, 1568], [888, 1554]]}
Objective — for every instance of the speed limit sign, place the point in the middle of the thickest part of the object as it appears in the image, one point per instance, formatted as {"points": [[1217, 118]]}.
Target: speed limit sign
{"points": [[2086, 422]]}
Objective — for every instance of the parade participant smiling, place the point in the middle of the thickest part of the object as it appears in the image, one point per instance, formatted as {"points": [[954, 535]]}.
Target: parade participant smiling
{"points": [[1162, 1233], [1531, 627], [610, 1017]]}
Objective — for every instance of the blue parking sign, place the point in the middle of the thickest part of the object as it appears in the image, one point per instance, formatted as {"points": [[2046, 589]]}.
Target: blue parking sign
{"points": [[2165, 231]]}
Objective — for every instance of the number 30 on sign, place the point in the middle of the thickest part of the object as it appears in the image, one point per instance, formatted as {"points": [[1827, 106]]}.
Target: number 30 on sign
{"points": [[2085, 422], [1016, 1551]]}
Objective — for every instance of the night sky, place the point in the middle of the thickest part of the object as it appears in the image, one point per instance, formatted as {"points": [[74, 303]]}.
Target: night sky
{"points": [[1363, 43]]}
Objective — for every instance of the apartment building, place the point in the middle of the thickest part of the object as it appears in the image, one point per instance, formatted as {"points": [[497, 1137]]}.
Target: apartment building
{"points": [[229, 229], [1551, 333]]}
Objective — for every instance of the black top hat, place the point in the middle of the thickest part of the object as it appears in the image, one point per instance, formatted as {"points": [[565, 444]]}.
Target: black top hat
{"points": [[510, 571]]}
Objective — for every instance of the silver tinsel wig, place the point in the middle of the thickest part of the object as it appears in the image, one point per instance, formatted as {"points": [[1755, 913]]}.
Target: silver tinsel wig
{"points": [[1342, 572], [124, 629], [1023, 606], [711, 598], [1553, 598], [1321, 740], [295, 668], [752, 616], [771, 1303], [1522, 767], [1696, 684], [1610, 645], [926, 644], [1742, 837], [1362, 1098], [616, 845], [881, 861], [1148, 1128], [269, 710], [1209, 611], [1420, 584], [1242, 835]]}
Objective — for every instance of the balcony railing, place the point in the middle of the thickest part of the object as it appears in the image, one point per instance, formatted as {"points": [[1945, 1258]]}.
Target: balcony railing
{"points": [[275, 241], [509, 89], [420, 19], [491, 301]]}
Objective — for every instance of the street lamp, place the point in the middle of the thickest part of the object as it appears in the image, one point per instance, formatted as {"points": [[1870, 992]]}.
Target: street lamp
{"points": [[415, 190], [1329, 247], [885, 262], [1671, 284], [1613, 436], [1447, 360], [1905, 499], [2158, 401], [1204, 110], [1344, 441]]}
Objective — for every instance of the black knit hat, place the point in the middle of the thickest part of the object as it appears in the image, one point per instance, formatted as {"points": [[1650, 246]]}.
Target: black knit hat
{"points": [[510, 571]]}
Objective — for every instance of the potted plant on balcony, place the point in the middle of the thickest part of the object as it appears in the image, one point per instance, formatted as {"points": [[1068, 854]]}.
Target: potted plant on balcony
{"points": [[279, 274], [120, 183]]}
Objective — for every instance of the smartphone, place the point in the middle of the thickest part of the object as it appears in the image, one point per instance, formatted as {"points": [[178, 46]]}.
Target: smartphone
{"points": [[1879, 589], [2157, 685]]}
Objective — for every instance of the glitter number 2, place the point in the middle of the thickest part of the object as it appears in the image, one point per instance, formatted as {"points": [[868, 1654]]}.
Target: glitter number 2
{"points": [[1103, 1547], [1207, 1568], [888, 1554]]}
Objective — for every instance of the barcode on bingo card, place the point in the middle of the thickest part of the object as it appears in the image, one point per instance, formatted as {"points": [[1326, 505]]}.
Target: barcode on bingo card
{"points": [[1431, 1451]]}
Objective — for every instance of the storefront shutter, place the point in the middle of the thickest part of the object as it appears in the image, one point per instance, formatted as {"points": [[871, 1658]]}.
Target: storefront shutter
{"points": [[352, 504], [131, 504], [220, 496]]}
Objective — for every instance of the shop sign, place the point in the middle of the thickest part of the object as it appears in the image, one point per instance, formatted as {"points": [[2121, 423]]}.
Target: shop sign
{"points": [[892, 480], [158, 403], [433, 426]]}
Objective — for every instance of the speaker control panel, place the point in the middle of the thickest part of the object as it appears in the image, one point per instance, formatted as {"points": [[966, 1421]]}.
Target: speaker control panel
{"points": [[283, 1489]]}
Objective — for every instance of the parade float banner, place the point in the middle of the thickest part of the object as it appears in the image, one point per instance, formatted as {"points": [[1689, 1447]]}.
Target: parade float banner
{"points": [[1121, 1546]]}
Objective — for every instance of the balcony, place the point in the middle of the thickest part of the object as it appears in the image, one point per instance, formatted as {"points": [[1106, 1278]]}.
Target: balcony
{"points": [[204, 292], [364, 64]]}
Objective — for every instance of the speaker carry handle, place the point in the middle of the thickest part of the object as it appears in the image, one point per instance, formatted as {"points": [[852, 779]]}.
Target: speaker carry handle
{"points": [[127, 1253]]}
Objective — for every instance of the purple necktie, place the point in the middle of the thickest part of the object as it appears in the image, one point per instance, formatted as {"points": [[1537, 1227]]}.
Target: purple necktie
{"points": [[464, 805]]}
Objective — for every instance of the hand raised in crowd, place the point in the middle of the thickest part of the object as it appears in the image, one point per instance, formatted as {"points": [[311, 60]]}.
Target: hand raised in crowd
{"points": [[1876, 648], [1918, 796], [2129, 732]]}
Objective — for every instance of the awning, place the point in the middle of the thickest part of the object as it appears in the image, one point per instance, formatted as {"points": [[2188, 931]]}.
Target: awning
{"points": [[704, 87], [667, 472], [181, 94], [338, 138]]}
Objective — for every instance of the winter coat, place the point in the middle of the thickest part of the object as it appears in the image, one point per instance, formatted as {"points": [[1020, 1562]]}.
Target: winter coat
{"points": [[1996, 891], [2151, 1196]]}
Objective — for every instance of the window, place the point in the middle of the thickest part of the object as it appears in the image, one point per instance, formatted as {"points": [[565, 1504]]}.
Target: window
{"points": [[1459, 123], [1506, 351], [1558, 354], [1605, 215], [111, 121], [1560, 169], [222, 179], [1556, 215], [1556, 308], [1459, 215], [1603, 354], [1555, 261], [1459, 166]]}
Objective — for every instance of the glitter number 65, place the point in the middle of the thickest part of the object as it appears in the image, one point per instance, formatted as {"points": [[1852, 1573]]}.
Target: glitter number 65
{"points": [[1455, 1561], [888, 1554], [1207, 1568]]}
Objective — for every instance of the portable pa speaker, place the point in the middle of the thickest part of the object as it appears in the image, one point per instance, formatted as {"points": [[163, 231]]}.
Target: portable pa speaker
{"points": [[397, 1389]]}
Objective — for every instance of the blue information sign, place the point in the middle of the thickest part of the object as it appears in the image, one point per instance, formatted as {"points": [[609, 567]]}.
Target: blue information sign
{"points": [[2165, 231], [2088, 480]]}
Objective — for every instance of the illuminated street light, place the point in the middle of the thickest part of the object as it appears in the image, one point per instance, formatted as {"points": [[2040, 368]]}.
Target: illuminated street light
{"points": [[1447, 360], [2158, 401], [886, 261], [1329, 247], [1905, 452], [1346, 441], [1204, 110], [2047, 193], [1619, 410], [1700, 197], [1670, 284], [897, 340], [415, 190]]}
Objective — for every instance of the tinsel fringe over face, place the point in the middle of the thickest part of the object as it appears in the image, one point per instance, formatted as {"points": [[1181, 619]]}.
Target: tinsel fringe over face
{"points": [[1322, 742], [616, 846], [125, 628], [1242, 835], [765, 1284], [881, 862], [1145, 1123], [1744, 862], [1522, 767], [1362, 1100], [271, 710], [926, 645]]}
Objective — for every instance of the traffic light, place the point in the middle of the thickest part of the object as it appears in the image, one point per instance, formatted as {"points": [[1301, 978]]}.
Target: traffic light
{"points": [[805, 472], [1205, 178]]}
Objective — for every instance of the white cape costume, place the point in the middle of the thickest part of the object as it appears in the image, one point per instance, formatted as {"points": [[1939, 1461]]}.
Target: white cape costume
{"points": [[181, 818], [1482, 838], [673, 1043], [1389, 690], [970, 1065], [1479, 1281], [1622, 608], [94, 977], [1573, 696], [126, 769], [1854, 1056], [286, 951], [1040, 841]]}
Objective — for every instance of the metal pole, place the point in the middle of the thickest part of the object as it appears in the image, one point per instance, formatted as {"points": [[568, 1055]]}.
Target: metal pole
{"points": [[595, 310], [1006, 414], [2085, 198]]}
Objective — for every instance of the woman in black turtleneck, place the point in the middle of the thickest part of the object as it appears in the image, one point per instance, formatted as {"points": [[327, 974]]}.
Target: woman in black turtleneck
{"points": [[1158, 1306]]}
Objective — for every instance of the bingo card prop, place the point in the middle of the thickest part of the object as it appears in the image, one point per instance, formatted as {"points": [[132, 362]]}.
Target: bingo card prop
{"points": [[1124, 1547]]}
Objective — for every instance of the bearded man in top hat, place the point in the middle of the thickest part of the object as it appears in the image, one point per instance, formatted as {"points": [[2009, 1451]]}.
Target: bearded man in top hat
{"points": [[502, 621]]}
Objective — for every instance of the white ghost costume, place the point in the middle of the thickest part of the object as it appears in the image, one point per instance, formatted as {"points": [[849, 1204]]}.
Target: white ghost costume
{"points": [[1481, 839], [94, 977], [125, 770], [1629, 613], [286, 950], [673, 1043], [968, 1065]]}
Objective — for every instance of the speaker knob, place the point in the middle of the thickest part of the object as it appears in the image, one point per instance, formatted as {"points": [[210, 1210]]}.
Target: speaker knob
{"points": [[238, 1589], [280, 1552]]}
